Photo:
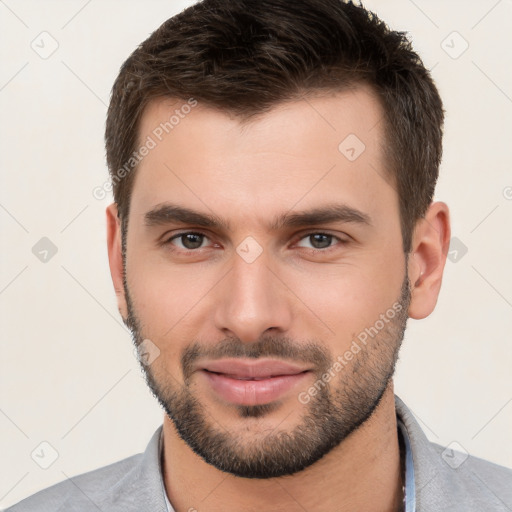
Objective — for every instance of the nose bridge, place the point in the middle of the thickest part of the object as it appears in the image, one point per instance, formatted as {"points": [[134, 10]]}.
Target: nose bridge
{"points": [[251, 300]]}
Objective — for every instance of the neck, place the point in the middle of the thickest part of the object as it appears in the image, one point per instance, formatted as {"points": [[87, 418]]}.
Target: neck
{"points": [[362, 473]]}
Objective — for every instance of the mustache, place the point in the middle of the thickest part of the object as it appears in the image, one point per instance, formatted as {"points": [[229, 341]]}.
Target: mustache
{"points": [[269, 346]]}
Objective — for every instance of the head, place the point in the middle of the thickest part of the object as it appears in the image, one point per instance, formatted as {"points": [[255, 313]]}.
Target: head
{"points": [[273, 166]]}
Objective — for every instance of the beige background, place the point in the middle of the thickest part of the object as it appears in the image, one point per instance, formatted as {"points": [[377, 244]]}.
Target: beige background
{"points": [[68, 375]]}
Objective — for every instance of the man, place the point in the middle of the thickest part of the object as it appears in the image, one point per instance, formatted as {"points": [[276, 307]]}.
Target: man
{"points": [[273, 166]]}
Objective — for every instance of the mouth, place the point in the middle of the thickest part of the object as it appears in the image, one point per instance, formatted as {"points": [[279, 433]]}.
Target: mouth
{"points": [[249, 382]]}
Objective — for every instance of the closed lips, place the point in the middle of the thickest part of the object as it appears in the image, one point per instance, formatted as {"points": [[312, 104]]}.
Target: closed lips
{"points": [[250, 382], [252, 370]]}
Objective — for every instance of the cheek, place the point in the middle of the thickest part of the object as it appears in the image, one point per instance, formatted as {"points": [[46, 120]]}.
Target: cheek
{"points": [[161, 291], [164, 300], [347, 299], [169, 300]]}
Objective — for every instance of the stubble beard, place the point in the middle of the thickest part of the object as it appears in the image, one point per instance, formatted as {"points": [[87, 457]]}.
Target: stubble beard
{"points": [[331, 415]]}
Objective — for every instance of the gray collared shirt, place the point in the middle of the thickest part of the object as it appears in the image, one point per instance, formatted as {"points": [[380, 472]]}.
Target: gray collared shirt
{"points": [[135, 484]]}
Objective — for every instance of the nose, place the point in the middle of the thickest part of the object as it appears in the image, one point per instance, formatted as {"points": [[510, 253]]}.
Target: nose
{"points": [[251, 301]]}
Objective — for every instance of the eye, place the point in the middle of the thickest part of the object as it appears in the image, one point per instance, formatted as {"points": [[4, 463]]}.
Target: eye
{"points": [[319, 241], [188, 241]]}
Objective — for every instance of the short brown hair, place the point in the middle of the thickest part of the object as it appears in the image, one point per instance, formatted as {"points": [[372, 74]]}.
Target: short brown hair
{"points": [[246, 56]]}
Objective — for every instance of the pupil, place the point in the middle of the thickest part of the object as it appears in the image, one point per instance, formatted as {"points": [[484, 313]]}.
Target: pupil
{"points": [[320, 241], [192, 240]]}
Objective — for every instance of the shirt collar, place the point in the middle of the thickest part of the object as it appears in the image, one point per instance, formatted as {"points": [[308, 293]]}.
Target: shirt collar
{"points": [[160, 459], [169, 507], [409, 488]]}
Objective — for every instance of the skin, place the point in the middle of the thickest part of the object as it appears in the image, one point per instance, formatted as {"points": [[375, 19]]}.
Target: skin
{"points": [[287, 159]]}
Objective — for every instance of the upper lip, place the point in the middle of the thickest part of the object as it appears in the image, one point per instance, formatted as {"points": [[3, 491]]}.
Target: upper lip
{"points": [[262, 368]]}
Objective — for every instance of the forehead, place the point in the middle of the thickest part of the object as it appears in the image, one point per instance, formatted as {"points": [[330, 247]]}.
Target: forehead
{"points": [[316, 148], [356, 108]]}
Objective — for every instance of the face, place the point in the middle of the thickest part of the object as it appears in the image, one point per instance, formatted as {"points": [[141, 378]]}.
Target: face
{"points": [[265, 276]]}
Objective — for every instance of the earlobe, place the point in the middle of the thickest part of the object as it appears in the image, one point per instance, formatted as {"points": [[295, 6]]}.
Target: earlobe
{"points": [[430, 245], [115, 257]]}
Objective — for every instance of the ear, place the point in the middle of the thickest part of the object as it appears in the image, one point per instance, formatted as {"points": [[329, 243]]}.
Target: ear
{"points": [[115, 257], [431, 240]]}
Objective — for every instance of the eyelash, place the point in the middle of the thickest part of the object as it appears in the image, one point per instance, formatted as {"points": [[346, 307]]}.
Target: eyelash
{"points": [[168, 242]]}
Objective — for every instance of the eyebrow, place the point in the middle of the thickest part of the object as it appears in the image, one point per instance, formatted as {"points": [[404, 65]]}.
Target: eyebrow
{"points": [[171, 213]]}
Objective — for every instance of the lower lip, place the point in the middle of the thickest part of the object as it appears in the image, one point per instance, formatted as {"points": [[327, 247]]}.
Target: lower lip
{"points": [[252, 392]]}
